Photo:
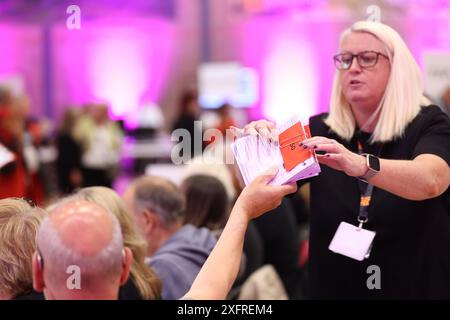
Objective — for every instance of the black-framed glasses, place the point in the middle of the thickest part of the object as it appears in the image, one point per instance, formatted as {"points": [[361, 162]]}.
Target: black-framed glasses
{"points": [[366, 59]]}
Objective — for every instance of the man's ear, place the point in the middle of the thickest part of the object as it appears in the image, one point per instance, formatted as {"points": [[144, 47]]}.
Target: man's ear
{"points": [[127, 259], [150, 221], [37, 266]]}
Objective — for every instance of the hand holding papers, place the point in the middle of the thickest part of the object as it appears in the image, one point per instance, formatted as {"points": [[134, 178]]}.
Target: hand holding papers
{"points": [[255, 154]]}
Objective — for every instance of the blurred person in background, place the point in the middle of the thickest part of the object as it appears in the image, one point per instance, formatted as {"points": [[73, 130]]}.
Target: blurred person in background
{"points": [[206, 202], [226, 119], [15, 179], [33, 139], [189, 112], [101, 142], [68, 163]]}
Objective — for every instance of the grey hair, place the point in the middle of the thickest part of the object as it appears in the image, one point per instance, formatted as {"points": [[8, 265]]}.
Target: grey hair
{"points": [[107, 262], [160, 196]]}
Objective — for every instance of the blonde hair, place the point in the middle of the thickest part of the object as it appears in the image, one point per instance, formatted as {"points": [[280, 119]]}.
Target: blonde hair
{"points": [[402, 98], [146, 281], [19, 225]]}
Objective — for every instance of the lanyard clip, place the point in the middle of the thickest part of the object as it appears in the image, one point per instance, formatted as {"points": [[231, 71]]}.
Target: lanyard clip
{"points": [[361, 221]]}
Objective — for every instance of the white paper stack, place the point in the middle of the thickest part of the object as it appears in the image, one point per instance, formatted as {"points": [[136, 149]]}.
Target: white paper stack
{"points": [[255, 154]]}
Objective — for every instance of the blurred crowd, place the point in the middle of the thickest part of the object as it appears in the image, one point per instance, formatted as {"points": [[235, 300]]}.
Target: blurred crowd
{"points": [[170, 229]]}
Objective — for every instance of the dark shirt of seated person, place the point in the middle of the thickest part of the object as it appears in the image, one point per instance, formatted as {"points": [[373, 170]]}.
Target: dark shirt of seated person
{"points": [[178, 261], [175, 251]]}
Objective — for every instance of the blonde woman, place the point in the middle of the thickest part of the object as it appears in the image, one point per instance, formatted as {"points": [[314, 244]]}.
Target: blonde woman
{"points": [[19, 224], [380, 209], [143, 279]]}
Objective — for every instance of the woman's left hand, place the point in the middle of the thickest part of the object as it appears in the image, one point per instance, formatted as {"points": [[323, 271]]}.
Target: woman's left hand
{"points": [[336, 156]]}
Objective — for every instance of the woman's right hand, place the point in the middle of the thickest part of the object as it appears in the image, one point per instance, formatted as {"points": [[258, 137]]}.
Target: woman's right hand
{"points": [[263, 128]]}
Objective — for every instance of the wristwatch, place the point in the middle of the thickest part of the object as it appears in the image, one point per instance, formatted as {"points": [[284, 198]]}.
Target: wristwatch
{"points": [[373, 166]]}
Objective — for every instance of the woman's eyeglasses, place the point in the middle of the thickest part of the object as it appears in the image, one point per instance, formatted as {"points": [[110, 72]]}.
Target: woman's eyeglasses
{"points": [[366, 59]]}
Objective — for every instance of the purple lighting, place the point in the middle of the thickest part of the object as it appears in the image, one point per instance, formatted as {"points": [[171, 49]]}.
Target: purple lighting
{"points": [[291, 81], [20, 56], [293, 59], [119, 61]]}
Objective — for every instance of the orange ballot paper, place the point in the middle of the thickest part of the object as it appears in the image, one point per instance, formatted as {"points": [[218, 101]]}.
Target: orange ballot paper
{"points": [[255, 154]]}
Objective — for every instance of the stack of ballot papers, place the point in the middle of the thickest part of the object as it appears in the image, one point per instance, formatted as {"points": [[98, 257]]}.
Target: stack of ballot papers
{"points": [[5, 156], [255, 154]]}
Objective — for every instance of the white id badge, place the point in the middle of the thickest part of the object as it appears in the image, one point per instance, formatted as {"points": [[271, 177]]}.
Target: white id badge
{"points": [[351, 241]]}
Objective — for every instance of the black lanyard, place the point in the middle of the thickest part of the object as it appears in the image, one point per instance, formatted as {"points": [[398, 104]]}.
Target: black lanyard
{"points": [[366, 190], [364, 204]]}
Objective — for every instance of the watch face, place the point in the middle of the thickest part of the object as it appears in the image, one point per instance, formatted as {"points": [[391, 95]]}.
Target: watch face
{"points": [[374, 163]]}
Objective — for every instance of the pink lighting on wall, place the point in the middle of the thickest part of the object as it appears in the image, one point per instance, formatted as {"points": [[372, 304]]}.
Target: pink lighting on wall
{"points": [[120, 61], [293, 58], [291, 82], [119, 70], [20, 57]]}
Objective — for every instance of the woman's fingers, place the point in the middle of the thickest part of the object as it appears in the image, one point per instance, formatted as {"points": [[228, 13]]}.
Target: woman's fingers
{"points": [[333, 160], [274, 136], [251, 131], [330, 156], [327, 147], [271, 125], [238, 132], [264, 132], [262, 128], [316, 140]]}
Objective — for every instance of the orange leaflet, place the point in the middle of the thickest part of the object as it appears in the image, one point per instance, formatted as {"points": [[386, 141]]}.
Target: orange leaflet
{"points": [[291, 151]]}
